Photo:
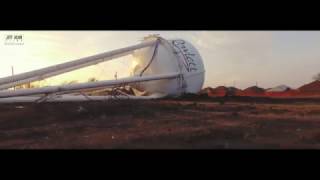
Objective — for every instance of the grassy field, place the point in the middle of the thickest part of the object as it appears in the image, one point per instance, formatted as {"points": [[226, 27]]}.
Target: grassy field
{"points": [[162, 124]]}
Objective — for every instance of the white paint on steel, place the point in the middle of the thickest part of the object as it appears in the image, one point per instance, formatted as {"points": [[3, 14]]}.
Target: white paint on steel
{"points": [[171, 56], [81, 86], [170, 67], [75, 98], [40, 74]]}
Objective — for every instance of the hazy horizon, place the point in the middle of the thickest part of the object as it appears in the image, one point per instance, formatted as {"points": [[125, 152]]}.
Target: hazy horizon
{"points": [[240, 58]]}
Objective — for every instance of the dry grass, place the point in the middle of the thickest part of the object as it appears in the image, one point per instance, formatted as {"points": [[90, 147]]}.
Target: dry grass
{"points": [[177, 123]]}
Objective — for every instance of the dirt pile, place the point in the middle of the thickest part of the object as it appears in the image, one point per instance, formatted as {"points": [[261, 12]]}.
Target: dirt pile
{"points": [[280, 91], [233, 91], [308, 90], [311, 89], [218, 91], [253, 91], [205, 92]]}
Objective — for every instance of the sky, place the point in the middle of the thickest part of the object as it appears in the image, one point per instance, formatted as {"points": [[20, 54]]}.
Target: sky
{"points": [[240, 58]]}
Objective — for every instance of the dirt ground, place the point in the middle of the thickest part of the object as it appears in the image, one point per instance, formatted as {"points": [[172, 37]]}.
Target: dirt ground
{"points": [[162, 124]]}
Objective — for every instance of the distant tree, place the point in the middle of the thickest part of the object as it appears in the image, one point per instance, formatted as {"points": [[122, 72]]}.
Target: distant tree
{"points": [[317, 77], [69, 82], [64, 83], [73, 82], [32, 85], [93, 79]]}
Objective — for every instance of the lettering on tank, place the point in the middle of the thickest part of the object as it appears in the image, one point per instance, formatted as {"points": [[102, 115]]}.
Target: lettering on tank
{"points": [[188, 56]]}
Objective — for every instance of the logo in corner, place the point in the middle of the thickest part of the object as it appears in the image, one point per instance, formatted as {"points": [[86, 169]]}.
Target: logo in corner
{"points": [[13, 39]]}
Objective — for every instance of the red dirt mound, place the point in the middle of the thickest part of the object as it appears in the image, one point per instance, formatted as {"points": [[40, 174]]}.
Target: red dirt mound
{"points": [[218, 91], [308, 90], [232, 91], [311, 89], [287, 93], [205, 91], [254, 91]]}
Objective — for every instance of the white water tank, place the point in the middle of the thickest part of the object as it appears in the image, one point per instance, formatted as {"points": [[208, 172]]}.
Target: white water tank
{"points": [[169, 56]]}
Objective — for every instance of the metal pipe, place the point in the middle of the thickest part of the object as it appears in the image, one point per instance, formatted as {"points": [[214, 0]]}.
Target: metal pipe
{"points": [[39, 74], [80, 86], [75, 98]]}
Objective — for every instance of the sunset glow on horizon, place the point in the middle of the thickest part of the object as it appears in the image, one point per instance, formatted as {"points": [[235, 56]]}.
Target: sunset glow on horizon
{"points": [[239, 58]]}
